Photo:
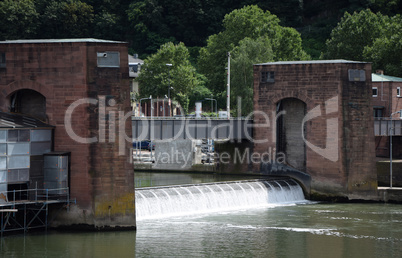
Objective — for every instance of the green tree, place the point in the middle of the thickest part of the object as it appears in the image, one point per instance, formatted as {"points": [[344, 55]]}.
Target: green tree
{"points": [[244, 56], [156, 77], [18, 19], [251, 22], [386, 51], [354, 33], [67, 19]]}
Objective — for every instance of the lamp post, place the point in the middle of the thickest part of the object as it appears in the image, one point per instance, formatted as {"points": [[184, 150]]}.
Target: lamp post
{"points": [[216, 104], [169, 65], [228, 88], [391, 132]]}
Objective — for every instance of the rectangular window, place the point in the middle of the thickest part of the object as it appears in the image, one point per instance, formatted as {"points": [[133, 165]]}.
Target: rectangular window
{"points": [[375, 92], [378, 112], [108, 59], [398, 91], [268, 76], [357, 75], [2, 60]]}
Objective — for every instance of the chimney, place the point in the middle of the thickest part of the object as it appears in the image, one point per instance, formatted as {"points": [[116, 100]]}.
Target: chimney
{"points": [[381, 72]]}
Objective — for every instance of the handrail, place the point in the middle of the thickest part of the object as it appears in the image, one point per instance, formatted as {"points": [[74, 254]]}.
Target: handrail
{"points": [[34, 195]]}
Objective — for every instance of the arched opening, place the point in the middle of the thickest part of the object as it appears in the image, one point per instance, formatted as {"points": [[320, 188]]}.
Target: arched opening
{"points": [[289, 134], [29, 102]]}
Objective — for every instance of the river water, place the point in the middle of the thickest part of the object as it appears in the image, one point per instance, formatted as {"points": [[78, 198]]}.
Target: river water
{"points": [[304, 229]]}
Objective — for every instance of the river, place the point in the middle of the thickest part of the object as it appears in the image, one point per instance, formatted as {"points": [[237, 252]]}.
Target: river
{"points": [[305, 229]]}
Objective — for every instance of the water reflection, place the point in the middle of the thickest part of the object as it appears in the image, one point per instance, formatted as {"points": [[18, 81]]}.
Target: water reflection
{"points": [[56, 244], [309, 230]]}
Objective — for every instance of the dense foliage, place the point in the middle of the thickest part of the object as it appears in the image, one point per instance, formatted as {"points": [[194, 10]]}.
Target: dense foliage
{"points": [[168, 68], [253, 23], [366, 36], [203, 31]]}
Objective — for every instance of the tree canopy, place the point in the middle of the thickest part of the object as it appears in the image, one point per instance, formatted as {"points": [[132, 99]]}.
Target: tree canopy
{"points": [[169, 67], [253, 23], [366, 36]]}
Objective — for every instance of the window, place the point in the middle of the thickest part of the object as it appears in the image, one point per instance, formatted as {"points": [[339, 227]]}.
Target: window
{"points": [[398, 91], [2, 59], [356, 75], [108, 59], [375, 92], [378, 112], [268, 76]]}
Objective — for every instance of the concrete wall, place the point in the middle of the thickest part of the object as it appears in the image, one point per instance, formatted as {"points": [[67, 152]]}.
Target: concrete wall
{"points": [[339, 122], [176, 155], [65, 72]]}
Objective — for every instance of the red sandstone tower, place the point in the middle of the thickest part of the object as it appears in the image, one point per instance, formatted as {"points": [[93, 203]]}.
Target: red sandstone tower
{"points": [[320, 119], [80, 86]]}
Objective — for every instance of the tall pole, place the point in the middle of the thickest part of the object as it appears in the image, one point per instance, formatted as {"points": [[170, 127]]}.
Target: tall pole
{"points": [[169, 65], [151, 132], [228, 89]]}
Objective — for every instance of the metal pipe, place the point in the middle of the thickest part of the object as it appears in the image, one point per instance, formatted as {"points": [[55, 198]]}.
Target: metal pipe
{"points": [[228, 88]]}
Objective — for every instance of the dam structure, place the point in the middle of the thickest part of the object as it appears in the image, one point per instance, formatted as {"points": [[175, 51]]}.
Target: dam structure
{"points": [[181, 200]]}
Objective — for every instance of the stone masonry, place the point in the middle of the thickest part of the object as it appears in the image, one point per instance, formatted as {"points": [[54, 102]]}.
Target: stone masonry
{"points": [[87, 104], [337, 128]]}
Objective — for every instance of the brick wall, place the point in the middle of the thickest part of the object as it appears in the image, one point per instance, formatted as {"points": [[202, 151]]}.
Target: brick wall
{"points": [[66, 72], [338, 127]]}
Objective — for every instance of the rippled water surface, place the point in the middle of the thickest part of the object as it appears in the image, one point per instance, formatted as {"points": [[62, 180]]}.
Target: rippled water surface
{"points": [[306, 230]]}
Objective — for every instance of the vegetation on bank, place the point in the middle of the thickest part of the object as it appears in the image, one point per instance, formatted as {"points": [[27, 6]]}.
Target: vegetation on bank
{"points": [[195, 37]]}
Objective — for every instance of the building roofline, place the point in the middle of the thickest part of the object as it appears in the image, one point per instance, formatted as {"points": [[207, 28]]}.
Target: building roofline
{"points": [[73, 40], [384, 78], [337, 61]]}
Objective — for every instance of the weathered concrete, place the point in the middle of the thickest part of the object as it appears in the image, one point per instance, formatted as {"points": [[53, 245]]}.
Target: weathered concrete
{"points": [[176, 155], [387, 194]]}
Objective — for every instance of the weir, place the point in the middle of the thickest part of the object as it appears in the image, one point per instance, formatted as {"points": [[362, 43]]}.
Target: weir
{"points": [[158, 202]]}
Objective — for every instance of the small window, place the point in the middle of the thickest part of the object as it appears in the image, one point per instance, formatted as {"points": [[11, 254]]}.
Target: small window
{"points": [[356, 75], [398, 91], [268, 76], [2, 59], [378, 112], [108, 59], [375, 92]]}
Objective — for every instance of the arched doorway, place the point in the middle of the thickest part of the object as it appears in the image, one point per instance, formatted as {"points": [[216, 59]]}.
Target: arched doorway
{"points": [[289, 132], [29, 102]]}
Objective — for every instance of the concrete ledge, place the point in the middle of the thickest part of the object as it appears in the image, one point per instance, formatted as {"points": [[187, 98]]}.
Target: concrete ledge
{"points": [[387, 194]]}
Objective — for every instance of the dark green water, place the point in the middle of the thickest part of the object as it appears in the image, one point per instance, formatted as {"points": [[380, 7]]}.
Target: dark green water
{"points": [[307, 230]]}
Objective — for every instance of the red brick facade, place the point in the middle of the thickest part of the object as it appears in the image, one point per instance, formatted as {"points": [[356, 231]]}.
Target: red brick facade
{"points": [[338, 123], [66, 71]]}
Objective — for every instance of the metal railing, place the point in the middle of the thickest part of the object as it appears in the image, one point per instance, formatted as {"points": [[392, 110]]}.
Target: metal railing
{"points": [[16, 197]]}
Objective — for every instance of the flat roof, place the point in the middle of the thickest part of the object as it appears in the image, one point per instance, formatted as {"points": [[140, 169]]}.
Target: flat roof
{"points": [[19, 121], [337, 61], [384, 78], [77, 40]]}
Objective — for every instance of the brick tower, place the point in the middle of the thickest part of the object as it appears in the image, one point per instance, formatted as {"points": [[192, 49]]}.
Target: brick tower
{"points": [[80, 86]]}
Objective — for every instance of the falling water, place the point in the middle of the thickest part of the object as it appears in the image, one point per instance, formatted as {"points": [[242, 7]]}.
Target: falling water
{"points": [[157, 202]]}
